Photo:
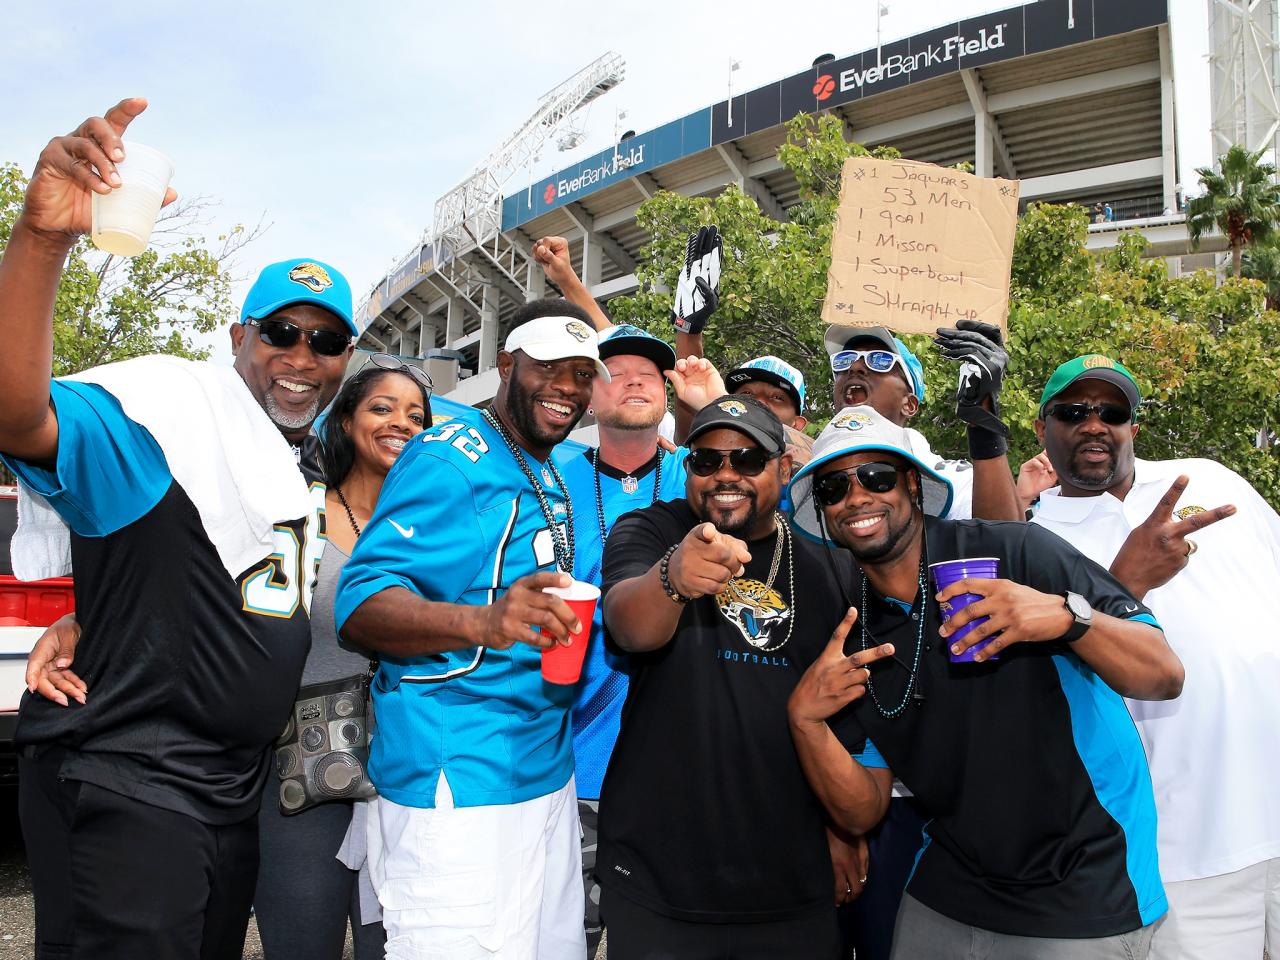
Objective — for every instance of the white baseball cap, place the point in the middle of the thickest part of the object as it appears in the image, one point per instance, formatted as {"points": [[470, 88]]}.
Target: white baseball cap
{"points": [[558, 338]]}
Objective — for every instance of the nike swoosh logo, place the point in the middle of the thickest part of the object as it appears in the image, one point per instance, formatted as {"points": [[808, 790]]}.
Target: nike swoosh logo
{"points": [[407, 534]]}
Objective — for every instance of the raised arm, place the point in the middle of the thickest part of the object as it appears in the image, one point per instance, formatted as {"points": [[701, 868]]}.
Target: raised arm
{"points": [[553, 254], [55, 212], [856, 797]]}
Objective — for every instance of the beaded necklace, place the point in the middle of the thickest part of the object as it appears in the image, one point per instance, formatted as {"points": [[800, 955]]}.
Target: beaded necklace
{"points": [[915, 661], [345, 506], [595, 463], [562, 543]]}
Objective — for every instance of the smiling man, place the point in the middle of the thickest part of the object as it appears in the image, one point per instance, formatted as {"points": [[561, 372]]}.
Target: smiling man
{"points": [[1041, 834], [711, 843], [1156, 525], [473, 839], [177, 494]]}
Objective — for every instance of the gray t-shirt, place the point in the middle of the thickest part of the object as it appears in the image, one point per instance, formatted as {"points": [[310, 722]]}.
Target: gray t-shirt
{"points": [[329, 659]]}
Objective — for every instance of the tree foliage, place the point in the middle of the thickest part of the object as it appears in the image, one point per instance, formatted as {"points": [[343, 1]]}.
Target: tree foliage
{"points": [[1241, 200], [161, 301], [1206, 355]]}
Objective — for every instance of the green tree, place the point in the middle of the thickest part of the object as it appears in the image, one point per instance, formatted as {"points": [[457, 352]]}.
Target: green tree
{"points": [[1262, 263], [1206, 355], [161, 301], [1241, 200]]}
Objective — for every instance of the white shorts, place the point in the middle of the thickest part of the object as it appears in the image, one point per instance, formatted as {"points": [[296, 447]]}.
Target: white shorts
{"points": [[1230, 917], [457, 883]]}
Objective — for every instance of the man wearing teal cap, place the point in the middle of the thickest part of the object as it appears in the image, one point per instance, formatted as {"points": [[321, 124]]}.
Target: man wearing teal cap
{"points": [[1155, 524], [183, 495]]}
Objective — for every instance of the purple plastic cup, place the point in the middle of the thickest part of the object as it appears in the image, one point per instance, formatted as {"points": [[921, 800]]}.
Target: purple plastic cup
{"points": [[948, 572]]}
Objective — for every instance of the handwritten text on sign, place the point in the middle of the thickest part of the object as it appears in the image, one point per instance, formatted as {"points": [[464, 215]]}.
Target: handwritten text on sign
{"points": [[917, 247]]}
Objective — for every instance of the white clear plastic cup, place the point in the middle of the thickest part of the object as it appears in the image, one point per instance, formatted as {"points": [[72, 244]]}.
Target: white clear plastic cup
{"points": [[124, 218]]}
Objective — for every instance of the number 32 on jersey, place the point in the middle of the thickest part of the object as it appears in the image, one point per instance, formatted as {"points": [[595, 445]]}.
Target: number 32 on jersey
{"points": [[288, 577]]}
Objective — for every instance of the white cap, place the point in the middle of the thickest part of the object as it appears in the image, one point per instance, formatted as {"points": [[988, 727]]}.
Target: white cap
{"points": [[851, 430], [558, 338]]}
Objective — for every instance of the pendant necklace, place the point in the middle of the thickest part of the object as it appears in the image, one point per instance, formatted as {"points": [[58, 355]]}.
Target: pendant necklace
{"points": [[915, 661], [561, 541], [635, 485]]}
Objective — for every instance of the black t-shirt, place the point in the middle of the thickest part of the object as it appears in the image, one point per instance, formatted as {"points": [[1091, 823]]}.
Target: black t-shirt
{"points": [[191, 673], [705, 814], [1030, 768]]}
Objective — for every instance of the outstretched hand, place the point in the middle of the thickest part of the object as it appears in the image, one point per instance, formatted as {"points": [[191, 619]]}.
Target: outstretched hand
{"points": [[698, 286], [697, 382], [834, 681], [552, 254], [73, 168], [979, 347], [1158, 548], [706, 561]]}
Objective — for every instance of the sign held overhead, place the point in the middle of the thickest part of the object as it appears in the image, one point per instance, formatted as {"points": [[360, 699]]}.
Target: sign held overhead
{"points": [[917, 247]]}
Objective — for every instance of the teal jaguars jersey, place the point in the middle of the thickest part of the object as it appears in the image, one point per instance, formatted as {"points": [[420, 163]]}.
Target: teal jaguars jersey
{"points": [[597, 705], [458, 522]]}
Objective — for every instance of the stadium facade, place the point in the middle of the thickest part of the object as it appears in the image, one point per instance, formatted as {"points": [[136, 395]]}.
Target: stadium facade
{"points": [[1075, 98]]}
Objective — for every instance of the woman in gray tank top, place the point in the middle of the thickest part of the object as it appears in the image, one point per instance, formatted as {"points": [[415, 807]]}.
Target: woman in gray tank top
{"points": [[307, 887]]}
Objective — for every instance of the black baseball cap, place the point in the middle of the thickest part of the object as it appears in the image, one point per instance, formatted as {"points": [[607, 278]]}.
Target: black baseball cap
{"points": [[747, 415]]}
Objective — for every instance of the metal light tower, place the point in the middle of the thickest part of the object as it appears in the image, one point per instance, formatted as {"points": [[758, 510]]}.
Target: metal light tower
{"points": [[1243, 74]]}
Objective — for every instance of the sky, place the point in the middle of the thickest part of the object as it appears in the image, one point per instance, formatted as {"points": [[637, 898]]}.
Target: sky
{"points": [[340, 124]]}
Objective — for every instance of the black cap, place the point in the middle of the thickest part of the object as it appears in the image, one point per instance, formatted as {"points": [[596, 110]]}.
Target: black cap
{"points": [[747, 415]]}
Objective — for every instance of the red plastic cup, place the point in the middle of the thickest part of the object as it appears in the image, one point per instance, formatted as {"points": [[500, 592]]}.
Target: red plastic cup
{"points": [[948, 572], [561, 664]]}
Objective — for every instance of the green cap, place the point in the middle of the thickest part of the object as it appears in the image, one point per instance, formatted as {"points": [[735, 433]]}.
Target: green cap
{"points": [[1092, 366]]}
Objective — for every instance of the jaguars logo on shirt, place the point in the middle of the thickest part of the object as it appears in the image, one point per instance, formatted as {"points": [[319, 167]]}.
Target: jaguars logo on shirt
{"points": [[312, 276], [757, 611]]}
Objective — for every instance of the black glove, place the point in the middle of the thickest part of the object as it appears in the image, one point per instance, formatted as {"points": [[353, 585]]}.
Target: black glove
{"points": [[698, 289], [980, 349]]}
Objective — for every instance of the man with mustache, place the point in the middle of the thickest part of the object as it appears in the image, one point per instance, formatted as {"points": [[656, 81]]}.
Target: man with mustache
{"points": [[1213, 751], [711, 843], [1041, 834], [473, 839]]}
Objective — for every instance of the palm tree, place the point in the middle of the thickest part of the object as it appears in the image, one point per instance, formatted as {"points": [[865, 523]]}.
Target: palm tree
{"points": [[1241, 200], [1262, 262]]}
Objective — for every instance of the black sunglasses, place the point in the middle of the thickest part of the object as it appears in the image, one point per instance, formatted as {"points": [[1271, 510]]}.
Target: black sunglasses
{"points": [[1109, 413], [283, 334], [388, 362], [877, 477], [746, 461]]}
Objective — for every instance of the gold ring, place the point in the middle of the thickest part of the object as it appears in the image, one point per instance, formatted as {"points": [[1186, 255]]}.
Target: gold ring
{"points": [[1192, 547]]}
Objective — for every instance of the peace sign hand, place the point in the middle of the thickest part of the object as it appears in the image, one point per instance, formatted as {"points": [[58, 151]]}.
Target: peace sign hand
{"points": [[834, 681], [1158, 547], [73, 168]]}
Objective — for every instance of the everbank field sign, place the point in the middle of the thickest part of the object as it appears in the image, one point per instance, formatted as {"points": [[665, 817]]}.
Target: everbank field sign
{"points": [[897, 64], [566, 187]]}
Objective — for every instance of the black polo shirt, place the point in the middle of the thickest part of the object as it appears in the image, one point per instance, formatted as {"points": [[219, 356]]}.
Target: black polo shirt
{"points": [[1043, 821]]}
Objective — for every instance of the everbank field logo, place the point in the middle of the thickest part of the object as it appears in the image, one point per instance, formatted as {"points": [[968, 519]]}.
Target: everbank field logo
{"points": [[896, 65], [614, 164], [823, 87]]}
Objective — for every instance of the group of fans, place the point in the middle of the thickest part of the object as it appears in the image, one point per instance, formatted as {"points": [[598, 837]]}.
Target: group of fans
{"points": [[788, 739]]}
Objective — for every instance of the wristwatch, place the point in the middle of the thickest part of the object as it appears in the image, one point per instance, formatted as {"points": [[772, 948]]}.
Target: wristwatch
{"points": [[1079, 608]]}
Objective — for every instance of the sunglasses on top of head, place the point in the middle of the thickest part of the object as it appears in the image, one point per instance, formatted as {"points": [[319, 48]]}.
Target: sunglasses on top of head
{"points": [[745, 461], [387, 361], [283, 334], [877, 477], [877, 361], [1112, 414]]}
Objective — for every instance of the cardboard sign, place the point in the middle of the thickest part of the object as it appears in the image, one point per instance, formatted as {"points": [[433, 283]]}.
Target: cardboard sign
{"points": [[917, 247]]}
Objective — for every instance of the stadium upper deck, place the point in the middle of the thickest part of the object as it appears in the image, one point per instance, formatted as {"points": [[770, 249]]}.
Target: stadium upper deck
{"points": [[1073, 97]]}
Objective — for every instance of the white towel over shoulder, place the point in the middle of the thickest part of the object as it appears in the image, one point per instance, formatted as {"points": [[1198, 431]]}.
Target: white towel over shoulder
{"points": [[221, 447]]}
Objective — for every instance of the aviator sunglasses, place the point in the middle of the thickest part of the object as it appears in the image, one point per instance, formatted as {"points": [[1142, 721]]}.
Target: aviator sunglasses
{"points": [[1111, 414], [387, 361], [877, 361], [877, 477], [746, 461], [283, 334]]}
